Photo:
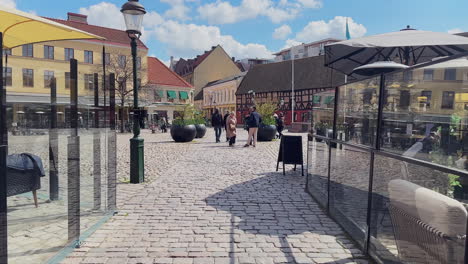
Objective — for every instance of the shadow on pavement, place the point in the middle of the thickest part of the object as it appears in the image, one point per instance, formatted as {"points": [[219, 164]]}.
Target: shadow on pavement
{"points": [[277, 206]]}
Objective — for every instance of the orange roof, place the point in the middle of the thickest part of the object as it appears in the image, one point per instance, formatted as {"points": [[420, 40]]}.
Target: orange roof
{"points": [[159, 73], [114, 36]]}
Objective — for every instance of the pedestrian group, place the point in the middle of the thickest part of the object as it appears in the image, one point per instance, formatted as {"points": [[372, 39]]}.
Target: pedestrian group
{"points": [[252, 123]]}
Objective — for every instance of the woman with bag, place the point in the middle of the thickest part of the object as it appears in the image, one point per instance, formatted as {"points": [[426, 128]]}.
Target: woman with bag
{"points": [[231, 129]]}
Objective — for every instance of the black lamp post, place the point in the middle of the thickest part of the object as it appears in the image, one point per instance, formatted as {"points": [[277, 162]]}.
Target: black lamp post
{"points": [[133, 13]]}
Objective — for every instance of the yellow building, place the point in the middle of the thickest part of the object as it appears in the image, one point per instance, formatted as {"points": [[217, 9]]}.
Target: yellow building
{"points": [[221, 94], [30, 68], [211, 66]]}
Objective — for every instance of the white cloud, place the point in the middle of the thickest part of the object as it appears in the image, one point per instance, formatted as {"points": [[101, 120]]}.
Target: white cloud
{"points": [[188, 40], [8, 3], [104, 14], [182, 40], [222, 12], [291, 43], [109, 15], [311, 3], [335, 28], [282, 32], [455, 31], [178, 10]]}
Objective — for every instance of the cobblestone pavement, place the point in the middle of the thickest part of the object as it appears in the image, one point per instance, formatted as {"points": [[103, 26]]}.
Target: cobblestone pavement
{"points": [[213, 204]]}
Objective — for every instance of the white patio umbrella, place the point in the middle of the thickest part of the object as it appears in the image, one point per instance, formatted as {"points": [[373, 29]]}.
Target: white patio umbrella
{"points": [[407, 46]]}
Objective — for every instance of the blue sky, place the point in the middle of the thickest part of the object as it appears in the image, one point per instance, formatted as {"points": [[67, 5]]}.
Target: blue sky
{"points": [[255, 28]]}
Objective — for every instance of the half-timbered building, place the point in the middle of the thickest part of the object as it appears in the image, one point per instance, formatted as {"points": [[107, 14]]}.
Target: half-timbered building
{"points": [[274, 83]]}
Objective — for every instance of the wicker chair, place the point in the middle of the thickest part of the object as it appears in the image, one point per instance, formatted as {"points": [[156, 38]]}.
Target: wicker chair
{"points": [[428, 227], [24, 172]]}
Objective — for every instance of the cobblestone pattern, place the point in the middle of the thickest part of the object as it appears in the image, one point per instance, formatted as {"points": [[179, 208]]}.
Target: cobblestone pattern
{"points": [[217, 204]]}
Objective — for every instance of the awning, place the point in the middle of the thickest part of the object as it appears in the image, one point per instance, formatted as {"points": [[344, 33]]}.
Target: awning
{"points": [[329, 99], [317, 99], [159, 93], [171, 95], [183, 95], [21, 28]]}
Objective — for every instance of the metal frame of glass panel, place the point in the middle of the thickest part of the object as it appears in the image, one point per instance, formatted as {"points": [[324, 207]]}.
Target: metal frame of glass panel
{"points": [[374, 150]]}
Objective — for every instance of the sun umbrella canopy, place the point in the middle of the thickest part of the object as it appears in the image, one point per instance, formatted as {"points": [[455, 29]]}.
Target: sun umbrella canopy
{"points": [[409, 47], [21, 28], [379, 67]]}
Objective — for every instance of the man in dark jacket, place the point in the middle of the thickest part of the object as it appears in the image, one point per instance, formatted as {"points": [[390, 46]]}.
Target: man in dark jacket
{"points": [[225, 124], [217, 123], [253, 123]]}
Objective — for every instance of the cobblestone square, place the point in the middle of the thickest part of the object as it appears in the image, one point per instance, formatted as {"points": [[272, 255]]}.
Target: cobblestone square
{"points": [[204, 202]]}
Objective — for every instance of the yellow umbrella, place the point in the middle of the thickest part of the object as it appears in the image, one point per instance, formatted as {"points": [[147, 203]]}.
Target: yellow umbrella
{"points": [[21, 28]]}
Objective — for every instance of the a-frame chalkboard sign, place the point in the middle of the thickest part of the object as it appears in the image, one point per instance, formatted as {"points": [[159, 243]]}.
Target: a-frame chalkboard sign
{"points": [[290, 152]]}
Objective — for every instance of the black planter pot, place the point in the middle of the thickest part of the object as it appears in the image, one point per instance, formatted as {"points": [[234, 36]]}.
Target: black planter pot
{"points": [[201, 130], [183, 133], [266, 132], [320, 132]]}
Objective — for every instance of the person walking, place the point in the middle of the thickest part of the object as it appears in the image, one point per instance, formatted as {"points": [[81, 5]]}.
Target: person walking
{"points": [[217, 123], [280, 125], [226, 124], [231, 130], [253, 122]]}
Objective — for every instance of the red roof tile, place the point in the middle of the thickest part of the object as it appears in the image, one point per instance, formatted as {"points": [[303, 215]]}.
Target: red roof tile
{"points": [[112, 35], [159, 73]]}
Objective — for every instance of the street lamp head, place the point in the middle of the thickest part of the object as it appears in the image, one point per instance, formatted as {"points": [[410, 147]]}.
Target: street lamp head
{"points": [[133, 13]]}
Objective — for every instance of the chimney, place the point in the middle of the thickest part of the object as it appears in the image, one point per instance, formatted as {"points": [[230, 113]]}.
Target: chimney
{"points": [[77, 18], [234, 59], [171, 66]]}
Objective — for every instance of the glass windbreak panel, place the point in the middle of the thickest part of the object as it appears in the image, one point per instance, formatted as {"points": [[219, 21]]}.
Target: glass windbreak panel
{"points": [[349, 183], [317, 164], [323, 104], [357, 111], [37, 167], [92, 138], [427, 118], [418, 213]]}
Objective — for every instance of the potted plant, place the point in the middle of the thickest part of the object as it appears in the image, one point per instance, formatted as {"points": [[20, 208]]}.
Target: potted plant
{"points": [[183, 127], [320, 130], [267, 129], [200, 124]]}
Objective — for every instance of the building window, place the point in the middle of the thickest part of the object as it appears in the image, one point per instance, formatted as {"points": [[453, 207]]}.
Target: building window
{"points": [[67, 80], [48, 52], [88, 56], [7, 52], [28, 50], [450, 74], [107, 58], [69, 54], [405, 97], [425, 99], [89, 81], [448, 100], [122, 61], [428, 75], [28, 77], [48, 77], [138, 62], [7, 76], [407, 76]]}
